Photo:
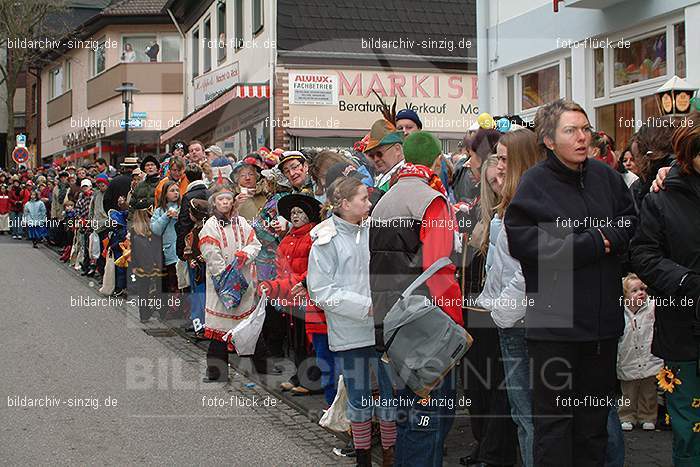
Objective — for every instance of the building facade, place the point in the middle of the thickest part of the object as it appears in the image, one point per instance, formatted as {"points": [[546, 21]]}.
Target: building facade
{"points": [[610, 56]]}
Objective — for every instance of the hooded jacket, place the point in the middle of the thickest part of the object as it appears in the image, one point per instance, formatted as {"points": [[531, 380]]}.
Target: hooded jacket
{"points": [[634, 358], [164, 226], [338, 281], [664, 250], [554, 226], [195, 190]]}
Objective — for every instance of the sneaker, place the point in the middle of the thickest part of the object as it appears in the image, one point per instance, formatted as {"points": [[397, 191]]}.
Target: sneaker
{"points": [[648, 426], [626, 426], [286, 386], [347, 451]]}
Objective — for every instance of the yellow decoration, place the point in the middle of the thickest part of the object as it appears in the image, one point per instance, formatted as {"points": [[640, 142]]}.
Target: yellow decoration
{"points": [[485, 121], [696, 403], [667, 379], [696, 427]]}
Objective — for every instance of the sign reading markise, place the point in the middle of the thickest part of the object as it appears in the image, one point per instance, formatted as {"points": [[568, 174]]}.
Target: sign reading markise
{"points": [[209, 86], [445, 101]]}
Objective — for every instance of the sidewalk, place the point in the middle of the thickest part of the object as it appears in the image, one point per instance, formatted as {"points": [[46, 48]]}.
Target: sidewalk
{"points": [[642, 448]]}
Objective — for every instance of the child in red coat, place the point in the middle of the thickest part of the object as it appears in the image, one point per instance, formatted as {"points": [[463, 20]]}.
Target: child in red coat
{"points": [[288, 292]]}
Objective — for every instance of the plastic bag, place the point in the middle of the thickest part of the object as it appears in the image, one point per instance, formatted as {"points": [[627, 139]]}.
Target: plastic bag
{"points": [[336, 418], [230, 285], [109, 277], [94, 246], [245, 335], [183, 274]]}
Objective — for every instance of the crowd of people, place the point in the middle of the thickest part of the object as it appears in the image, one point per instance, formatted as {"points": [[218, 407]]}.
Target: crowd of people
{"points": [[575, 268]]}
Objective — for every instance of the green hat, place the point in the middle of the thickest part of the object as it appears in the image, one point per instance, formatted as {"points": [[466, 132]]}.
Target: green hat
{"points": [[421, 148], [382, 133]]}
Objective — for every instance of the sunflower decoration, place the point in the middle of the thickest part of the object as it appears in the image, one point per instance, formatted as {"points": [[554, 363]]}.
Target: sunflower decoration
{"points": [[667, 420], [696, 403], [667, 379], [696, 427]]}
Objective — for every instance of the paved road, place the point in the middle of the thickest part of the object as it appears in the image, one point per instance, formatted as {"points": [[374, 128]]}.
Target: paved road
{"points": [[118, 396]]}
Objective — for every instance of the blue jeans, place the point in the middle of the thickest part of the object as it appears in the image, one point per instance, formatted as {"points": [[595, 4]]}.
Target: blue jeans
{"points": [[421, 428], [516, 366], [325, 359], [16, 224], [615, 451], [198, 298], [355, 366]]}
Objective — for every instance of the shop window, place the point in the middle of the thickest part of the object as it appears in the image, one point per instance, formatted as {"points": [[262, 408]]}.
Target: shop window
{"points": [[539, 87], [171, 48], [195, 53], [221, 30], [617, 120], [644, 59], [140, 49], [650, 107], [55, 82], [599, 59], [239, 24], [97, 58], [679, 35], [257, 16], [207, 45]]}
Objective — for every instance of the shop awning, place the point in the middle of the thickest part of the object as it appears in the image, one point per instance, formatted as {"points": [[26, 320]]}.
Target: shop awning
{"points": [[240, 91], [354, 133]]}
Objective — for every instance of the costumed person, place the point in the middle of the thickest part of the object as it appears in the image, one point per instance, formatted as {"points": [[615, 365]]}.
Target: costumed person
{"points": [[307, 323], [17, 202], [163, 225], [412, 227], [250, 186], [666, 257], [67, 230], [143, 193], [82, 208], [636, 366], [338, 281], [35, 218], [228, 244], [198, 211], [384, 147], [4, 209]]}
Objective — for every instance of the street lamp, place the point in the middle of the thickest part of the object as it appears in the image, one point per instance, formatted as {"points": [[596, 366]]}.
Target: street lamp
{"points": [[127, 91]]}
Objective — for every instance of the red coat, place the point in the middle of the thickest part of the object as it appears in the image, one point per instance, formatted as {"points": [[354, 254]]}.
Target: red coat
{"points": [[4, 203], [292, 264], [18, 199]]}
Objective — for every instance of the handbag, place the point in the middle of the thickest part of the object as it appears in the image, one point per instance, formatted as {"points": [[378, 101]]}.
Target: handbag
{"points": [[230, 285], [422, 342]]}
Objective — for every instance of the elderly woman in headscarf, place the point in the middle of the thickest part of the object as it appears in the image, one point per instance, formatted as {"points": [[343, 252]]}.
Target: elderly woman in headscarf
{"points": [[249, 185]]}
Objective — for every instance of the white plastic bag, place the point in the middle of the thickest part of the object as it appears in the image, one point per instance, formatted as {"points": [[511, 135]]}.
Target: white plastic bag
{"points": [[245, 335], [183, 274], [94, 246], [109, 277], [336, 418]]}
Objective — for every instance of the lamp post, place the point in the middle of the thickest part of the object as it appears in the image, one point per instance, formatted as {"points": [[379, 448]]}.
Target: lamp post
{"points": [[127, 91]]}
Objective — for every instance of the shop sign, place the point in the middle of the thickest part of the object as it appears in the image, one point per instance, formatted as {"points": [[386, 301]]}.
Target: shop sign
{"points": [[444, 101], [313, 89], [84, 135], [209, 86]]}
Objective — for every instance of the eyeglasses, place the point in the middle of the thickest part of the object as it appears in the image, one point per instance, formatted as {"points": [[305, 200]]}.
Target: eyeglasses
{"points": [[292, 168]]}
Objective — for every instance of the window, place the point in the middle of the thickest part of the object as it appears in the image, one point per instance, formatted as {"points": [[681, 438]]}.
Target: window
{"points": [[97, 57], [650, 107], [617, 120], [239, 24], [35, 99], [207, 45], [221, 30], [55, 82], [540, 87], [195, 53], [679, 35], [599, 60], [140, 49], [20, 120], [66, 77], [171, 48], [642, 60], [257, 16]]}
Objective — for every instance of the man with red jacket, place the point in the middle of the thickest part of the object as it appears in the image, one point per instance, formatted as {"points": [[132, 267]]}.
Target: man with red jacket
{"points": [[413, 226], [289, 292], [18, 198]]}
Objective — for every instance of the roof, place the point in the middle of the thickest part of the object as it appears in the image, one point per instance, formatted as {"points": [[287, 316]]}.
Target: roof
{"points": [[423, 28], [134, 8]]}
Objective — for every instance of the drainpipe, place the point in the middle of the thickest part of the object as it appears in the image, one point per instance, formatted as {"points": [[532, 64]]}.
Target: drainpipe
{"points": [[272, 36], [184, 63], [482, 54]]}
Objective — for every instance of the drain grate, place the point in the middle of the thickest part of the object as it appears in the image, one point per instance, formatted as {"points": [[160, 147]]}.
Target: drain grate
{"points": [[160, 332]]}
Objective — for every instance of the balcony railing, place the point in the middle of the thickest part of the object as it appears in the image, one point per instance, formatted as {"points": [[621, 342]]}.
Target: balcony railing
{"points": [[149, 78], [59, 108]]}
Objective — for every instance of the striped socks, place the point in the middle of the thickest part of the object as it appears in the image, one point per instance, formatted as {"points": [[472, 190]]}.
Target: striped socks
{"points": [[388, 432], [362, 434]]}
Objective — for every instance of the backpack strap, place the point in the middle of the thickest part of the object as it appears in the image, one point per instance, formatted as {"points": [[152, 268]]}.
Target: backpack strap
{"points": [[427, 274]]}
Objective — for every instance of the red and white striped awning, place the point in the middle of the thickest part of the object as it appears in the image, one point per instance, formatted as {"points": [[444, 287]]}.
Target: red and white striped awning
{"points": [[240, 91]]}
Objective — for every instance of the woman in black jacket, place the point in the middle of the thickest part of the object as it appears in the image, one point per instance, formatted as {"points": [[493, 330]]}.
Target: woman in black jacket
{"points": [[665, 253], [569, 225]]}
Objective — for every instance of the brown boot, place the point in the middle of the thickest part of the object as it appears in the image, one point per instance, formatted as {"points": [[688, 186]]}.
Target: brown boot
{"points": [[363, 457], [388, 457]]}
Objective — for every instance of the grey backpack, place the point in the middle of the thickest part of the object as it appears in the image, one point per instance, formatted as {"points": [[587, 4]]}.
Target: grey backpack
{"points": [[422, 342]]}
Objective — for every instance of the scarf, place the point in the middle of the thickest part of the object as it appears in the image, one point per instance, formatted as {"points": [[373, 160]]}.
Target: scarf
{"points": [[420, 171]]}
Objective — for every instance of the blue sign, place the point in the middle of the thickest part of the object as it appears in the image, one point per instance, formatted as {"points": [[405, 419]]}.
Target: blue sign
{"points": [[133, 123], [139, 115], [21, 139]]}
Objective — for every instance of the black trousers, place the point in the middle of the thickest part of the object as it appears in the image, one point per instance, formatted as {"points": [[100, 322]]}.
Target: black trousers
{"points": [[573, 385], [484, 384], [274, 329], [217, 359]]}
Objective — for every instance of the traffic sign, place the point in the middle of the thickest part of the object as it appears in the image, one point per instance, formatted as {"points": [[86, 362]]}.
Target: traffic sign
{"points": [[139, 115], [20, 155], [21, 140]]}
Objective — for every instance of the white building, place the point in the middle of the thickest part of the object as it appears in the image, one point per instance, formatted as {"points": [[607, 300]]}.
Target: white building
{"points": [[610, 56]]}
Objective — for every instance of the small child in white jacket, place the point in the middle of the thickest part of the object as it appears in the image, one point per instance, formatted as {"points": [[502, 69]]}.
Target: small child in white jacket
{"points": [[636, 366]]}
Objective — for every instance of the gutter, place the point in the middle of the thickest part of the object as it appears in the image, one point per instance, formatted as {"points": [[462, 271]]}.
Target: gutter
{"points": [[184, 63], [373, 56], [482, 54]]}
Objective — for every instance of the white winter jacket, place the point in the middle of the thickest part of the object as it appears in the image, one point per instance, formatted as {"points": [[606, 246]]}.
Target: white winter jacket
{"points": [[634, 358]]}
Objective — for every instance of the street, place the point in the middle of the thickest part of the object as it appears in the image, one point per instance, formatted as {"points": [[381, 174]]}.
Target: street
{"points": [[94, 388]]}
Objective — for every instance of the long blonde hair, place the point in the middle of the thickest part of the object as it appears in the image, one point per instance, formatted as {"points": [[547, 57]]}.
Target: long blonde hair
{"points": [[488, 203], [142, 222], [523, 153]]}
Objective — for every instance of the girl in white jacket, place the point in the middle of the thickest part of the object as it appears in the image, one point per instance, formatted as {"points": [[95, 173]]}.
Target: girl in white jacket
{"points": [[636, 366]]}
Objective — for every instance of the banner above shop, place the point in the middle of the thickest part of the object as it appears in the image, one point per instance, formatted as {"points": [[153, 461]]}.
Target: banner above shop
{"points": [[210, 85], [343, 99]]}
